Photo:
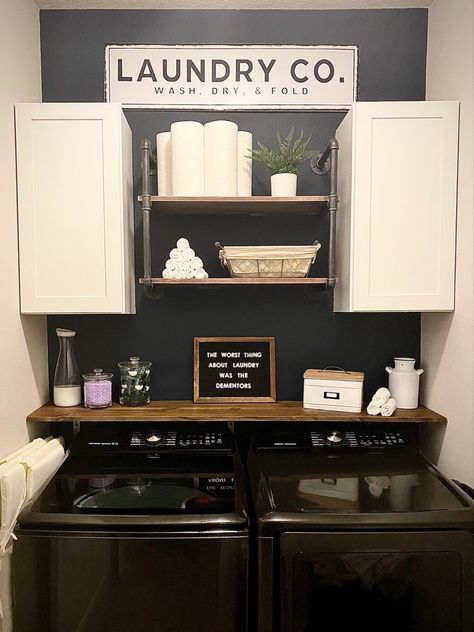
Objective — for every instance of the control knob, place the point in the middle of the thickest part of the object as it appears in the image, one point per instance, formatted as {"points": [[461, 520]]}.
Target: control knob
{"points": [[153, 438], [335, 437]]}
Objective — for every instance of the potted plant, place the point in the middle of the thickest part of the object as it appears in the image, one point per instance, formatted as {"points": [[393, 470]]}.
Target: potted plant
{"points": [[283, 163]]}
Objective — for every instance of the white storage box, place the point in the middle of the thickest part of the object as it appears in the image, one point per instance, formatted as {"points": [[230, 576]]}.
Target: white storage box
{"points": [[333, 390]]}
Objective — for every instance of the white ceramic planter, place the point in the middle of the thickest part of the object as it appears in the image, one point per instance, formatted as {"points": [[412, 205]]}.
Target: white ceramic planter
{"points": [[284, 184], [404, 382]]}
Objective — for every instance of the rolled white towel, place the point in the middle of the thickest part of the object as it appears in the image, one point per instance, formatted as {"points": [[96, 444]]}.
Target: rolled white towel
{"points": [[176, 254], [182, 243], [184, 266], [388, 408], [373, 409], [171, 264], [168, 274], [381, 396], [196, 263], [200, 273], [188, 254]]}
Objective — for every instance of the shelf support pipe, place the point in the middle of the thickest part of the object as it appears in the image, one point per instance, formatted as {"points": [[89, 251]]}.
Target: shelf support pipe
{"points": [[321, 164], [333, 205], [150, 291]]}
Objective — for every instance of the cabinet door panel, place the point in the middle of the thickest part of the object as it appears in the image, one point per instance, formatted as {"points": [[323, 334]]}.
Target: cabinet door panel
{"points": [[71, 208], [404, 206]]}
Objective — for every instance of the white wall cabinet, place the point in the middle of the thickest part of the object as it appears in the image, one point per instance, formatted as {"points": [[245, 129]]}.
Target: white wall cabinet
{"points": [[396, 225], [75, 208]]}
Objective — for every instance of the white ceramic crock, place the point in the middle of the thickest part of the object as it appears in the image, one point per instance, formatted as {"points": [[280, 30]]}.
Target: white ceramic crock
{"points": [[284, 184], [404, 382]]}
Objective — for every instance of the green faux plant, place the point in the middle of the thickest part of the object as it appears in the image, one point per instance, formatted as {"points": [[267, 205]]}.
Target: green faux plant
{"points": [[288, 157]]}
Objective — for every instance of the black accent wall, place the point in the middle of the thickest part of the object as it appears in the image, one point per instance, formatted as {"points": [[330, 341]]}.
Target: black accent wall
{"points": [[392, 59]]}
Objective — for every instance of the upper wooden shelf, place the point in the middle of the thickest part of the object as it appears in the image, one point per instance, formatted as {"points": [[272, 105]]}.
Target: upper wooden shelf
{"points": [[256, 204], [183, 410]]}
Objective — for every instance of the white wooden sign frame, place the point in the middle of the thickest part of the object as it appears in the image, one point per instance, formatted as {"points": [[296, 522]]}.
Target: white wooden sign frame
{"points": [[233, 77]]}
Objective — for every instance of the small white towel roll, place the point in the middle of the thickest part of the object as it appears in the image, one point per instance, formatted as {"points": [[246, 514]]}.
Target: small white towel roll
{"points": [[182, 243], [196, 263], [171, 264], [200, 274], [176, 254], [373, 409], [187, 158], [388, 408], [188, 254], [381, 396], [168, 273], [163, 159]]}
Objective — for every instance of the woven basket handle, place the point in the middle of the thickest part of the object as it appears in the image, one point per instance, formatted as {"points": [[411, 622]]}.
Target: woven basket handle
{"points": [[318, 246], [222, 258]]}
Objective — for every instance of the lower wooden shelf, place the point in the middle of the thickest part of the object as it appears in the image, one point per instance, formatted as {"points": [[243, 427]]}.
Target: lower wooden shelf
{"points": [[231, 281], [183, 410]]}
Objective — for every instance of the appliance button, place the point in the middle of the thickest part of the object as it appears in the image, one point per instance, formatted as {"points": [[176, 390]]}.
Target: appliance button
{"points": [[153, 438], [335, 437]]}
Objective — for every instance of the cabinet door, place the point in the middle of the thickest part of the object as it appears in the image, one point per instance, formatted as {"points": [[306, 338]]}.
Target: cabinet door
{"points": [[75, 208], [403, 206]]}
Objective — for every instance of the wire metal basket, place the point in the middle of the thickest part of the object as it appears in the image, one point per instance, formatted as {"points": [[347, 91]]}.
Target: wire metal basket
{"points": [[254, 262]]}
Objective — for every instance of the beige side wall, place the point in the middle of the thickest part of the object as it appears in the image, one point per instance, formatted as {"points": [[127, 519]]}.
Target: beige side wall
{"points": [[23, 361], [448, 339], [23, 370]]}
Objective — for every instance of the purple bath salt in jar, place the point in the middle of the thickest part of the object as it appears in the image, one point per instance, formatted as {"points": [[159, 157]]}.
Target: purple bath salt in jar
{"points": [[97, 389]]}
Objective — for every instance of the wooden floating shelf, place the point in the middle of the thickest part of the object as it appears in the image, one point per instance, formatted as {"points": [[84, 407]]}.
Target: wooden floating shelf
{"points": [[256, 204], [229, 281], [183, 410]]}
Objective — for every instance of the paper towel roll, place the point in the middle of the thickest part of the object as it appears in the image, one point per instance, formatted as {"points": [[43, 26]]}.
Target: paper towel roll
{"points": [[187, 158], [244, 164], [163, 157], [220, 148]]}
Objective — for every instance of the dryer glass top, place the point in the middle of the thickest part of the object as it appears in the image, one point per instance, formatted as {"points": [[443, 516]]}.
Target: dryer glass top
{"points": [[360, 472]]}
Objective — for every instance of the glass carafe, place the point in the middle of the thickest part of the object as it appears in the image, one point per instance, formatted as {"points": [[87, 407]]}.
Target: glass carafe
{"points": [[67, 381]]}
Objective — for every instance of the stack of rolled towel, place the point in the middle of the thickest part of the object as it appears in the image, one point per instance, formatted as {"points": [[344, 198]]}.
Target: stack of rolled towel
{"points": [[183, 263], [382, 403]]}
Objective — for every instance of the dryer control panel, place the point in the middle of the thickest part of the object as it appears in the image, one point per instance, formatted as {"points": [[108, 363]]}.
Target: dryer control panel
{"points": [[335, 438], [355, 439]]}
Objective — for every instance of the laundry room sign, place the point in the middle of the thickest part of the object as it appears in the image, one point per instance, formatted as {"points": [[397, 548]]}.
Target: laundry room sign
{"points": [[231, 77], [234, 370]]}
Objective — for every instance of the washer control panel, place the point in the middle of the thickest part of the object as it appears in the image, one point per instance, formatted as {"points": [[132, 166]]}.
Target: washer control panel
{"points": [[355, 439], [156, 438]]}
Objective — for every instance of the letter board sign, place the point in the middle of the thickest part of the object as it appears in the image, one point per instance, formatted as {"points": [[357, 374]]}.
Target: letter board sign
{"points": [[231, 77], [234, 370]]}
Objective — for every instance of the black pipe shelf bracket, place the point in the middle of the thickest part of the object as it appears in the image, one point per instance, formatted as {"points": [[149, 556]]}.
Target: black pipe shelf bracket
{"points": [[321, 164], [147, 160]]}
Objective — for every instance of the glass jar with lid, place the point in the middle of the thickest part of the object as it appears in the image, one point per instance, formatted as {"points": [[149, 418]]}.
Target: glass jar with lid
{"points": [[134, 382], [97, 389]]}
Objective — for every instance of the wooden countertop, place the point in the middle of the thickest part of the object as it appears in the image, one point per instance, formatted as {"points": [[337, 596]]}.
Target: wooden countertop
{"points": [[183, 410]]}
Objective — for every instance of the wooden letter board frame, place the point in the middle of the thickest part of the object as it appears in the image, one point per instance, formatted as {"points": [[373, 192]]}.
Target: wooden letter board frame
{"points": [[265, 398]]}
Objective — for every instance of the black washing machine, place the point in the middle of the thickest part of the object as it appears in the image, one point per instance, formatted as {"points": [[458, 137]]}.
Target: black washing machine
{"points": [[357, 532], [143, 529]]}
